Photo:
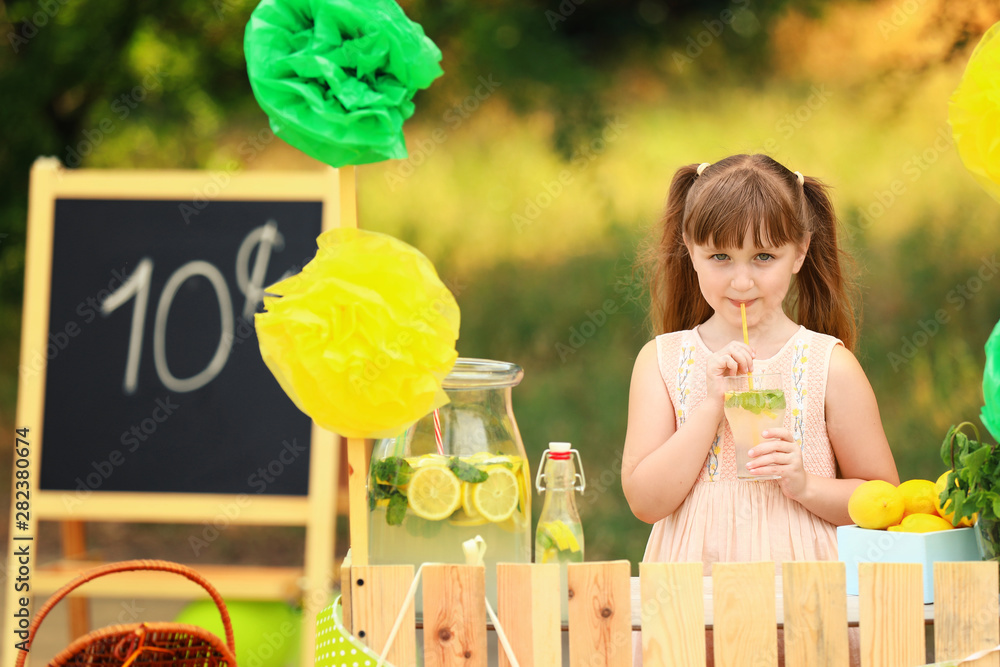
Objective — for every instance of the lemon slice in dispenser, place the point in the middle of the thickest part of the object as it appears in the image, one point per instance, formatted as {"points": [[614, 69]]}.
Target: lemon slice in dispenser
{"points": [[434, 493], [496, 498]]}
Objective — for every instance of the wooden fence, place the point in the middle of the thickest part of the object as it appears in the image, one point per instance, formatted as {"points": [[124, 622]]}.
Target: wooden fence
{"points": [[746, 604]]}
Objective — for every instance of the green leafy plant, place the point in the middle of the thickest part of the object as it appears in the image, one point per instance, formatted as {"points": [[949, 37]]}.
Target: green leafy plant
{"points": [[973, 485]]}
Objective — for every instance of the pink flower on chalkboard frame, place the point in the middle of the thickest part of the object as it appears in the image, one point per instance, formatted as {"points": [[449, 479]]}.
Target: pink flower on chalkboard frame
{"points": [[337, 77], [363, 337]]}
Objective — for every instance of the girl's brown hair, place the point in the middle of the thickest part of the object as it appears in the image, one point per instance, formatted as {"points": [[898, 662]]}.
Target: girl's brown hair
{"points": [[755, 194]]}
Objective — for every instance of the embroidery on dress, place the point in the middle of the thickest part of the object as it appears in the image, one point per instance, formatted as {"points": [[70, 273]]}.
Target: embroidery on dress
{"points": [[684, 366], [713, 455], [799, 359]]}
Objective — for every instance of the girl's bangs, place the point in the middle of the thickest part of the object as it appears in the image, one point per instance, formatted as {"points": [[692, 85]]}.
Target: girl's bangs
{"points": [[733, 205]]}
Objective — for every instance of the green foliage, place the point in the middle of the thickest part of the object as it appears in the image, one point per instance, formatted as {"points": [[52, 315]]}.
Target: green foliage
{"points": [[973, 486]]}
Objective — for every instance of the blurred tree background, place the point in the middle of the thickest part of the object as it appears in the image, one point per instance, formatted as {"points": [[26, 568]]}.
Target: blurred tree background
{"points": [[540, 160]]}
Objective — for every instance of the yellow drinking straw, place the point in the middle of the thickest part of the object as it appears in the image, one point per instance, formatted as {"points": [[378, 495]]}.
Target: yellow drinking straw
{"points": [[746, 339]]}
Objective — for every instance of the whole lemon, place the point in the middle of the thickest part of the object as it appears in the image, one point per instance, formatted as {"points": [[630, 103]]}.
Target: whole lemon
{"points": [[949, 516], [919, 497], [876, 504], [921, 523]]}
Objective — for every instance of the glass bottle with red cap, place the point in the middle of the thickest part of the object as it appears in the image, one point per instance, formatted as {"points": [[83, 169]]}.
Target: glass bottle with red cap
{"points": [[559, 536]]}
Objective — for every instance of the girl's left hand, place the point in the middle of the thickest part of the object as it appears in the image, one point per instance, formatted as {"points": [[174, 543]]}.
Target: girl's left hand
{"points": [[779, 455]]}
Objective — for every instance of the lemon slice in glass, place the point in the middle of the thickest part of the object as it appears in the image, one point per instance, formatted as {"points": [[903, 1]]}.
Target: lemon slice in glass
{"points": [[496, 498], [562, 535], [467, 504], [434, 493]]}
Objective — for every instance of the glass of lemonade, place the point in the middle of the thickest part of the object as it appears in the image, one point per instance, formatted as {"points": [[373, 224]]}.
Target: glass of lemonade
{"points": [[429, 494], [753, 403]]}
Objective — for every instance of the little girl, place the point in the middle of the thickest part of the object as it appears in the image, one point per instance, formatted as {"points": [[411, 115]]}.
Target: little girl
{"points": [[736, 233]]}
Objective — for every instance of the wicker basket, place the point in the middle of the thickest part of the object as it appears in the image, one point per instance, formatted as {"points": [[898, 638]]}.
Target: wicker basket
{"points": [[141, 644]]}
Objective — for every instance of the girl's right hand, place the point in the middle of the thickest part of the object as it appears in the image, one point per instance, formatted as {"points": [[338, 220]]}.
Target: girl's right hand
{"points": [[736, 358]]}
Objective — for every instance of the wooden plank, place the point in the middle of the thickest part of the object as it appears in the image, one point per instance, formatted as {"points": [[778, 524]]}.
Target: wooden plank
{"points": [[745, 630], [600, 613], [126, 507], [74, 546], [891, 599], [357, 480], [321, 535], [815, 613], [357, 450], [672, 608], [345, 594], [377, 596], [31, 386], [966, 609], [454, 615], [529, 610], [168, 184], [233, 582]]}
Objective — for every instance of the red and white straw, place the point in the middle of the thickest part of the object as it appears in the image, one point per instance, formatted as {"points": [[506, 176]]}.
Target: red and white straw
{"points": [[437, 432]]}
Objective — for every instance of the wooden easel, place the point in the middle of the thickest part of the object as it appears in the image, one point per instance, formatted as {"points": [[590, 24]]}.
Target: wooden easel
{"points": [[316, 512]]}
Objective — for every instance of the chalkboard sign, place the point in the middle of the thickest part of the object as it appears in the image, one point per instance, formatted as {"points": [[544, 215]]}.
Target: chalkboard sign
{"points": [[155, 380], [142, 395], [150, 369]]}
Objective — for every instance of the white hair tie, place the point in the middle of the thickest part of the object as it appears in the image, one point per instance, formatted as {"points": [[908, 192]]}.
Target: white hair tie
{"points": [[798, 175], [703, 166]]}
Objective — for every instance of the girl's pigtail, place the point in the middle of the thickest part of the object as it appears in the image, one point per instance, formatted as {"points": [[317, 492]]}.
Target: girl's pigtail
{"points": [[824, 291], [676, 300]]}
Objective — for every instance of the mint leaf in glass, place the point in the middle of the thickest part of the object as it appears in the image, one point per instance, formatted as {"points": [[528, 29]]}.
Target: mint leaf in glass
{"points": [[396, 511], [392, 470], [466, 472]]}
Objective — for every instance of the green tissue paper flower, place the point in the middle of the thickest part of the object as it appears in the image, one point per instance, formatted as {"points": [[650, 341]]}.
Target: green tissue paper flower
{"points": [[337, 77], [991, 384]]}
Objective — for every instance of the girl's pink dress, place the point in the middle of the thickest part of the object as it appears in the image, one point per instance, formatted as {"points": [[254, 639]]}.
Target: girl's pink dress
{"points": [[724, 519]]}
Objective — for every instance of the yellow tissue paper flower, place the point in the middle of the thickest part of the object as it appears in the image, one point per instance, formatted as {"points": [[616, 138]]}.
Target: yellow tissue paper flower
{"points": [[974, 113], [362, 338]]}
